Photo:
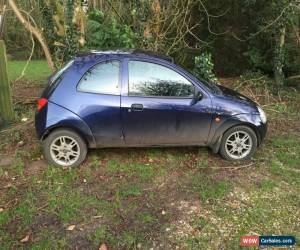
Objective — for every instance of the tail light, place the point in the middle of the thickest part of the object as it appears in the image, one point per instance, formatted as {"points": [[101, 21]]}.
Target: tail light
{"points": [[41, 103]]}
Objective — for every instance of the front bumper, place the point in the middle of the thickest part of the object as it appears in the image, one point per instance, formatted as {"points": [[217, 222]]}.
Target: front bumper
{"points": [[262, 130]]}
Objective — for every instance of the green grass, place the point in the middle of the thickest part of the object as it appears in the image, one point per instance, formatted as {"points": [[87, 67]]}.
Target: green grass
{"points": [[37, 70], [208, 189]]}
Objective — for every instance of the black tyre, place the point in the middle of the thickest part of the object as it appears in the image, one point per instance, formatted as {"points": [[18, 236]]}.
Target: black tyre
{"points": [[238, 143], [64, 148]]}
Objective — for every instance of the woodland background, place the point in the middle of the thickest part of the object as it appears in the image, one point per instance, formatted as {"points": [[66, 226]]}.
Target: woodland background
{"points": [[234, 36]]}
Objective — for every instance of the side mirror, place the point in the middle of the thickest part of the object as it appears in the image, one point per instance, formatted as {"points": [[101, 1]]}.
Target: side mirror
{"points": [[197, 97]]}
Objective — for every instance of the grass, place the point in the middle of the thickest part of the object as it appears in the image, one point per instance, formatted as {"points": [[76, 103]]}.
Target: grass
{"points": [[37, 70], [159, 198]]}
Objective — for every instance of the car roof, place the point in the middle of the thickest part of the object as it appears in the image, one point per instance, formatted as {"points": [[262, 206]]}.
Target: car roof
{"points": [[123, 52]]}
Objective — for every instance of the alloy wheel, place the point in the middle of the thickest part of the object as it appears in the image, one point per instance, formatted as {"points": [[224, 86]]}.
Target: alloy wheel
{"points": [[238, 145], [65, 151]]}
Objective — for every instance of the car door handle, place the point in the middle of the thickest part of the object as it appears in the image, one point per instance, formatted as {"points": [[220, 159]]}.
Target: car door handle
{"points": [[137, 107]]}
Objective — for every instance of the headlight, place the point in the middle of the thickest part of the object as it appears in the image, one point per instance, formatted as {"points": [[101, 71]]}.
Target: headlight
{"points": [[262, 114]]}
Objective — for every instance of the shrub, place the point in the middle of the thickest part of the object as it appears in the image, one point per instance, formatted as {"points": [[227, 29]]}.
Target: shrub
{"points": [[204, 67], [107, 33]]}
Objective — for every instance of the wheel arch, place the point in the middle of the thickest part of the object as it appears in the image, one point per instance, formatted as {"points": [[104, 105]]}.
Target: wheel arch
{"points": [[216, 142], [86, 138], [58, 117]]}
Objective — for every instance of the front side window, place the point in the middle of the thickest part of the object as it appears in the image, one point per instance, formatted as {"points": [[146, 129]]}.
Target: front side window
{"points": [[150, 79], [102, 78]]}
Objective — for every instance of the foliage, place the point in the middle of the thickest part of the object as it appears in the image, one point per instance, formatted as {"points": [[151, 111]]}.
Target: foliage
{"points": [[253, 79], [107, 33], [204, 67], [241, 35], [272, 46], [71, 37]]}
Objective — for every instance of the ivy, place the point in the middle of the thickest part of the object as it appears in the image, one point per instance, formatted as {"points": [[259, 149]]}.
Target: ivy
{"points": [[204, 67]]}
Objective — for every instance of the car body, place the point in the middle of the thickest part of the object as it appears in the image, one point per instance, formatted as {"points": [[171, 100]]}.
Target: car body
{"points": [[137, 99]]}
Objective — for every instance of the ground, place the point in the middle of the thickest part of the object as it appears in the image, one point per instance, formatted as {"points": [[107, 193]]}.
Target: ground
{"points": [[154, 198]]}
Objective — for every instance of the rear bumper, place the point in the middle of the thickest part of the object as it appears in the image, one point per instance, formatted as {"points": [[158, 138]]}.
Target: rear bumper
{"points": [[40, 122]]}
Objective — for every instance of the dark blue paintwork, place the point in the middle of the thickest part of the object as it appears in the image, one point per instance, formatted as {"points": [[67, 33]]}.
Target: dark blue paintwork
{"points": [[110, 121]]}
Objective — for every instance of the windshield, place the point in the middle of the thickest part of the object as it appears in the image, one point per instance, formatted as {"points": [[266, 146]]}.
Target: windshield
{"points": [[211, 86]]}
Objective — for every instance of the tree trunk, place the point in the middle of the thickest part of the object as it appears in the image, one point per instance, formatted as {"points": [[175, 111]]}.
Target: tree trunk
{"points": [[35, 32], [6, 107], [279, 57]]}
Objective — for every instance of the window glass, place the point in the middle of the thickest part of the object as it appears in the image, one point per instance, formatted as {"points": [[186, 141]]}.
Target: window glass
{"points": [[102, 78], [150, 79], [59, 73]]}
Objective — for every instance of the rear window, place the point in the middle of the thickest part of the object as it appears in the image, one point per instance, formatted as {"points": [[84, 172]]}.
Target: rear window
{"points": [[55, 79], [59, 73]]}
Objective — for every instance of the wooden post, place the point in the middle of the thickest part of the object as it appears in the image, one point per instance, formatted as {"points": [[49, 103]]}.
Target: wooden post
{"points": [[6, 107]]}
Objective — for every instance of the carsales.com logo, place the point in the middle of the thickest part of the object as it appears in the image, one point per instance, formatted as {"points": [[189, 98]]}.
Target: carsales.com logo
{"points": [[254, 241]]}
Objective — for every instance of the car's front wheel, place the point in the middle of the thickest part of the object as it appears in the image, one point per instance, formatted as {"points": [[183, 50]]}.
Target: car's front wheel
{"points": [[64, 148], [238, 143]]}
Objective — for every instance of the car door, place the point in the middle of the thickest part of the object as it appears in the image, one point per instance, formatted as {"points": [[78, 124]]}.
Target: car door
{"points": [[159, 107]]}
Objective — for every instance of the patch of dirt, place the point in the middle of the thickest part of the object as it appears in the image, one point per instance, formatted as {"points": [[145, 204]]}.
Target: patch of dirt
{"points": [[35, 167], [80, 242], [47, 221], [21, 135], [25, 92], [20, 138], [6, 160]]}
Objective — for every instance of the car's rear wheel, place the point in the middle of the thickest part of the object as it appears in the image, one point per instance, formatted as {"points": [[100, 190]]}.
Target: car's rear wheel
{"points": [[238, 143], [64, 148]]}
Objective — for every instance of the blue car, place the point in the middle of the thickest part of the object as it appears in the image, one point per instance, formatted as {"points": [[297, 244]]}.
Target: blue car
{"points": [[110, 99]]}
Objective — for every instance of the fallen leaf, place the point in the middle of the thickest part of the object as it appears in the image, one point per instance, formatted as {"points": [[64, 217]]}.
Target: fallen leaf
{"points": [[71, 228], [25, 239], [97, 216], [103, 247], [25, 119], [9, 185]]}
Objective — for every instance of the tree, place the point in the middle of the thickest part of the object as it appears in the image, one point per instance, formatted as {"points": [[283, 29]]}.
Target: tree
{"points": [[35, 31]]}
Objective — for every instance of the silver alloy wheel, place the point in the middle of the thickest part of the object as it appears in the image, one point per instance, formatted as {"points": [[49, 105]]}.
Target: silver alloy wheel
{"points": [[64, 151], [238, 145]]}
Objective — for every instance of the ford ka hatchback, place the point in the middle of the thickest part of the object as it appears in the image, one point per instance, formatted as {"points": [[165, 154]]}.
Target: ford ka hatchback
{"points": [[136, 99]]}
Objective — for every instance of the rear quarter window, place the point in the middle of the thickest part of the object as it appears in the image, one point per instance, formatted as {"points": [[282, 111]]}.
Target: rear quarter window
{"points": [[103, 78]]}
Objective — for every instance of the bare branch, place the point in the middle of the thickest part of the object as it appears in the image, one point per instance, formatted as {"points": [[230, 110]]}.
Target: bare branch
{"points": [[270, 24], [35, 31], [208, 20], [29, 59]]}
